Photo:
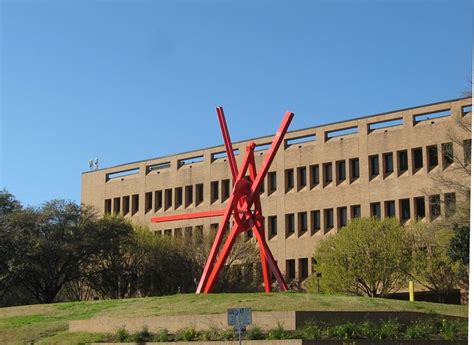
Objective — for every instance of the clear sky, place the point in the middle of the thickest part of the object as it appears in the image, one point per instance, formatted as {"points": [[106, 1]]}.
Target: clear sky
{"points": [[131, 80]]}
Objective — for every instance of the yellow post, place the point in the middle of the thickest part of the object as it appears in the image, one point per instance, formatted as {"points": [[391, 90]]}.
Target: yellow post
{"points": [[411, 291]]}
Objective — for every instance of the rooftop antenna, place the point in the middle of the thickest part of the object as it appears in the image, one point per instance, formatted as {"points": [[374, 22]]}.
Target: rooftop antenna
{"points": [[94, 164]]}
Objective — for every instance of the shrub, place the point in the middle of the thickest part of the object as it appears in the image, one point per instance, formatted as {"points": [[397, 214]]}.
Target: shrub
{"points": [[421, 329], [254, 333], [278, 333], [453, 330], [311, 330], [189, 334], [345, 331], [122, 334], [389, 329], [228, 334], [142, 335], [162, 336]]}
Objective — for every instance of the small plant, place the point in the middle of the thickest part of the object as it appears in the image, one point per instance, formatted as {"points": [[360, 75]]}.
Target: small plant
{"points": [[345, 331], [228, 334], [421, 329], [189, 334], [453, 330], [311, 331], [206, 335], [254, 333], [142, 335], [122, 334], [162, 336], [389, 329], [278, 333]]}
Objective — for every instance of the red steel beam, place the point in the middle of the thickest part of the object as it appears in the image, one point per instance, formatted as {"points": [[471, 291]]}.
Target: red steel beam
{"points": [[195, 215], [227, 143]]}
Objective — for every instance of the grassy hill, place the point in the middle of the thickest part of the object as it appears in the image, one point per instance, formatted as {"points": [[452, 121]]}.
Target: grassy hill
{"points": [[49, 323]]}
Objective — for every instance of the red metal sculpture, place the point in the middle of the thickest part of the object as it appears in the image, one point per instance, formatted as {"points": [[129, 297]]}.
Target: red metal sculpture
{"points": [[245, 208]]}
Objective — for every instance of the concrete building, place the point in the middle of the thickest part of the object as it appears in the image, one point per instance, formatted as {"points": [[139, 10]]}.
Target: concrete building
{"points": [[379, 165]]}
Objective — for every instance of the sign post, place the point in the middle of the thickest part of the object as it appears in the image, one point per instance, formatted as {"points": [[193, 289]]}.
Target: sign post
{"points": [[239, 318]]}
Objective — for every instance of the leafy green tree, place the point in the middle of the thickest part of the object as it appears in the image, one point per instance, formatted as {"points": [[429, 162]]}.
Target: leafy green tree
{"points": [[367, 257], [459, 245], [8, 203]]}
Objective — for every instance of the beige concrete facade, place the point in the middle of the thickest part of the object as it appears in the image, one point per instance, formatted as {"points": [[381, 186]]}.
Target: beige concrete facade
{"points": [[378, 165]]}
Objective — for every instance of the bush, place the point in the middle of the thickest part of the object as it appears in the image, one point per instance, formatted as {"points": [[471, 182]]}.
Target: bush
{"points": [[189, 334], [389, 329], [142, 335], [278, 333], [228, 334], [254, 333], [122, 334], [311, 330], [421, 329], [162, 336], [348, 330], [453, 329]]}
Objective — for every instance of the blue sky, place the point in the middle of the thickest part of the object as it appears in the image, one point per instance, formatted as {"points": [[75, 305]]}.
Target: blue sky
{"points": [[125, 81]]}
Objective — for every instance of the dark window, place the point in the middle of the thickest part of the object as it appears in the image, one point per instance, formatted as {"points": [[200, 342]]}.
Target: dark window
{"points": [[178, 197], [432, 156], [289, 179], [402, 161], [328, 219], [302, 222], [342, 216], [355, 171], [303, 264], [355, 211], [226, 189], [178, 232], [158, 200], [199, 193], [467, 151], [374, 165], [315, 221], [314, 172], [417, 155], [261, 189], [450, 203], [214, 191], [327, 170], [126, 204], [116, 205], [290, 269], [290, 224], [448, 157], [272, 182], [168, 232], [390, 208], [272, 226], [213, 229], [388, 163], [375, 210], [435, 206], [188, 195], [148, 201], [404, 209], [108, 206], [301, 177], [135, 204], [341, 171], [168, 198], [420, 207]]}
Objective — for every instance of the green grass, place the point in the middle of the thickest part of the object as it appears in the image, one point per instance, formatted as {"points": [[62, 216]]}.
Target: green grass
{"points": [[49, 323]]}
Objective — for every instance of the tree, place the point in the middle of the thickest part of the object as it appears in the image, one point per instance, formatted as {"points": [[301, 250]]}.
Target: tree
{"points": [[367, 257], [8, 203]]}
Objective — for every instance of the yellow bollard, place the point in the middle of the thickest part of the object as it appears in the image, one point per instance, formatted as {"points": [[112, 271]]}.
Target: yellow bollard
{"points": [[411, 291]]}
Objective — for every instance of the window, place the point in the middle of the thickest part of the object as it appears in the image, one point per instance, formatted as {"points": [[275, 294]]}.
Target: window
{"points": [[327, 172], [108, 206], [420, 207], [199, 193], [226, 189], [290, 269], [303, 265], [148, 201], [435, 206], [467, 151], [374, 165], [126, 205], [168, 232], [355, 171], [300, 140], [388, 163], [168, 198], [261, 189], [301, 177], [272, 226], [122, 173], [402, 161], [314, 175], [341, 171], [466, 109], [157, 167], [450, 203], [448, 158], [341, 216], [432, 152], [289, 180], [375, 210], [390, 209], [290, 224], [272, 182], [178, 232], [178, 197], [135, 204], [417, 157], [116, 205], [328, 219], [213, 229], [214, 191], [340, 132], [158, 200], [355, 211], [302, 222], [190, 160], [188, 196], [404, 209], [315, 221]]}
